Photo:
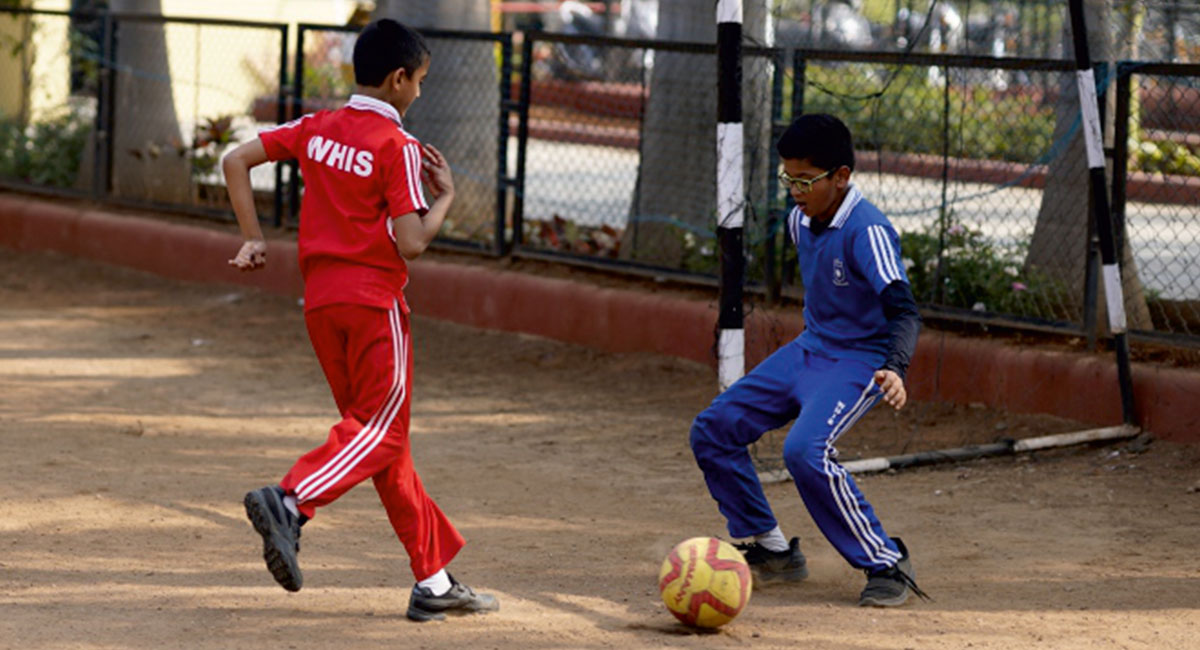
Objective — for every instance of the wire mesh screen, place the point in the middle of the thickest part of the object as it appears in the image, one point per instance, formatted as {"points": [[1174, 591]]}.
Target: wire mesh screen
{"points": [[183, 93], [621, 152], [459, 112], [586, 106], [1162, 192], [1151, 30], [49, 70], [1030, 28]]}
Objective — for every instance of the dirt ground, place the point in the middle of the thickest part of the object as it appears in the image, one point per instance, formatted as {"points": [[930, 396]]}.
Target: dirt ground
{"points": [[135, 412]]}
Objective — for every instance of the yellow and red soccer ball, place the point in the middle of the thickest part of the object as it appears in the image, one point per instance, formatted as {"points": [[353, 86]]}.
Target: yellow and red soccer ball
{"points": [[704, 582]]}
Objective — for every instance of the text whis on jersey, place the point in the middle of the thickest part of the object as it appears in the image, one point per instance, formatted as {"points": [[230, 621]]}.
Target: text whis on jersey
{"points": [[340, 156]]}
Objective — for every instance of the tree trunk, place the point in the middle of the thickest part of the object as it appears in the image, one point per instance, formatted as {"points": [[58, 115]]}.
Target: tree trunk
{"points": [[147, 157], [674, 205], [458, 111], [1059, 247]]}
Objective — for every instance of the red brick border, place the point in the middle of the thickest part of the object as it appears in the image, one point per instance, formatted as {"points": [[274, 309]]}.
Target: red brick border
{"points": [[946, 367]]}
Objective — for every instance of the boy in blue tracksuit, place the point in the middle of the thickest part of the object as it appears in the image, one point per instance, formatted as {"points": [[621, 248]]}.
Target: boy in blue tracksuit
{"points": [[861, 325]]}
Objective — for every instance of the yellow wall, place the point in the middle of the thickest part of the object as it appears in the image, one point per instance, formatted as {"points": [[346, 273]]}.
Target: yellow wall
{"points": [[47, 51], [215, 70], [10, 67]]}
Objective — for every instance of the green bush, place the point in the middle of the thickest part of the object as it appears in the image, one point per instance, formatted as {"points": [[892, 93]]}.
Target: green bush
{"points": [[1164, 157], [908, 117], [975, 273], [45, 153]]}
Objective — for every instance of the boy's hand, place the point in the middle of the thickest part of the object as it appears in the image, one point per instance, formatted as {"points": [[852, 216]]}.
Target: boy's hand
{"points": [[252, 255], [892, 387], [435, 171]]}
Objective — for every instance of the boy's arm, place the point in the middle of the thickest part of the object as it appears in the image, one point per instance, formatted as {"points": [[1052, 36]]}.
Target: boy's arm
{"points": [[236, 165], [413, 231], [904, 323]]}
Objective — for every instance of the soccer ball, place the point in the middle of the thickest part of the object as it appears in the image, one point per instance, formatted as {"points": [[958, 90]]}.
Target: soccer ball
{"points": [[704, 582]]}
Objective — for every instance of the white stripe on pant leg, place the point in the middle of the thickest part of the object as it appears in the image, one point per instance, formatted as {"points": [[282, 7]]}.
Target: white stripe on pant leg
{"points": [[844, 481], [349, 450], [844, 497], [370, 435], [380, 431], [380, 428], [359, 439], [362, 439], [840, 488], [339, 459], [834, 489]]}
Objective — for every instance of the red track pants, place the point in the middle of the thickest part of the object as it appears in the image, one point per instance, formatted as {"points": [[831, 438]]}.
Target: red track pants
{"points": [[366, 355]]}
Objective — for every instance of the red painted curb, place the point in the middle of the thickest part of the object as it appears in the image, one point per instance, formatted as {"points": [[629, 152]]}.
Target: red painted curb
{"points": [[945, 367]]}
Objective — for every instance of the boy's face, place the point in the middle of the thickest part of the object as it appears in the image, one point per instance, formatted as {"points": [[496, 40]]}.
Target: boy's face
{"points": [[824, 195], [406, 88]]}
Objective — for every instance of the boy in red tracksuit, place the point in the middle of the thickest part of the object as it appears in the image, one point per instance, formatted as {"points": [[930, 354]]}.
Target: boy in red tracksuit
{"points": [[362, 216]]}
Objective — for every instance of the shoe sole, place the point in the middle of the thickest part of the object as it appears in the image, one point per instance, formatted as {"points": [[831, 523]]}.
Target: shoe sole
{"points": [[791, 575], [872, 601], [421, 614], [424, 615], [281, 560]]}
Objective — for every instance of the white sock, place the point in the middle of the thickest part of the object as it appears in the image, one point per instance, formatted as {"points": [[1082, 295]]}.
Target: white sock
{"points": [[438, 583], [289, 502], [773, 540]]}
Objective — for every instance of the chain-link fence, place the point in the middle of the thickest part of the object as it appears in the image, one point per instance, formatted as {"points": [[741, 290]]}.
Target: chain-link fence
{"points": [[619, 149], [1157, 154], [136, 110], [1148, 30]]}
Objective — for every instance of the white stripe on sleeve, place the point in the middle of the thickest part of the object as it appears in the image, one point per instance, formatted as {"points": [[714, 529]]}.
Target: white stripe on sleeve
{"points": [[884, 272], [886, 241], [412, 158]]}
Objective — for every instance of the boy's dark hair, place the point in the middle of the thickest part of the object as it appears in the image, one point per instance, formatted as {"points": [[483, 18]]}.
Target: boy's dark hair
{"points": [[822, 139], [384, 46]]}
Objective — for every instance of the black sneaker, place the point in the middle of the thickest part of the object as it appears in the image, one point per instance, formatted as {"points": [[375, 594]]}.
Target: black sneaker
{"points": [[891, 587], [775, 566], [461, 599], [280, 530]]}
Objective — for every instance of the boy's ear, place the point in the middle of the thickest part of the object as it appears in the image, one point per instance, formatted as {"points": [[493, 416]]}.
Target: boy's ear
{"points": [[842, 176], [397, 77]]}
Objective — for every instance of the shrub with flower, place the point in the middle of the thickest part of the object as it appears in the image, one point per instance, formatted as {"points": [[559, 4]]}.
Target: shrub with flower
{"points": [[977, 273]]}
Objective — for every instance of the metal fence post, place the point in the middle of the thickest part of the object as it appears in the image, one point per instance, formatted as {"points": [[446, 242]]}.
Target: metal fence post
{"points": [[280, 118], [1113, 289], [297, 111], [518, 216], [787, 271], [500, 241], [770, 272], [101, 146], [1120, 168], [939, 286]]}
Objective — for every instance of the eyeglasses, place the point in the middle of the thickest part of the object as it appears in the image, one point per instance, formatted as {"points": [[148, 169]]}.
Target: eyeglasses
{"points": [[802, 185]]}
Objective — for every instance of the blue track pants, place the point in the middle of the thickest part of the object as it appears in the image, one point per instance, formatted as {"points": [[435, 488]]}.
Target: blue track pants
{"points": [[826, 397]]}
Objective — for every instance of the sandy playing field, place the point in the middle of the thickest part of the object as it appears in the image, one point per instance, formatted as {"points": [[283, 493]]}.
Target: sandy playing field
{"points": [[135, 412]]}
